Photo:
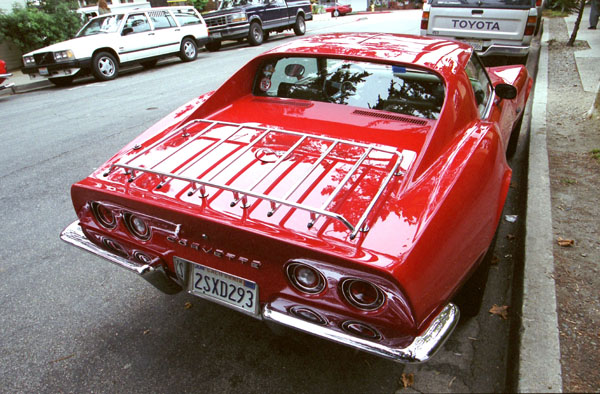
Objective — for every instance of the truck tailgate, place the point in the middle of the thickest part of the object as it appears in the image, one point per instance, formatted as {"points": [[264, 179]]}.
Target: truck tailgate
{"points": [[501, 24]]}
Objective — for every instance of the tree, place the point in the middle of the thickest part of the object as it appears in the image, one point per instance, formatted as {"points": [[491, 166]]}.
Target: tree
{"points": [[571, 41], [40, 23]]}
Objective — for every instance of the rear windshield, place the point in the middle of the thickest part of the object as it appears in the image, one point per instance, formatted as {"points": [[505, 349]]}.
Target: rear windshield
{"points": [[484, 3], [386, 87]]}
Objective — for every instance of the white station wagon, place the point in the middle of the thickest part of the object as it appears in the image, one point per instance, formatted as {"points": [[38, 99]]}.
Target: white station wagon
{"points": [[110, 41]]}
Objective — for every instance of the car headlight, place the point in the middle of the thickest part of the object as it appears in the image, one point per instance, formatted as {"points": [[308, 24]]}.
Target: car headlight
{"points": [[28, 60], [62, 56], [239, 17]]}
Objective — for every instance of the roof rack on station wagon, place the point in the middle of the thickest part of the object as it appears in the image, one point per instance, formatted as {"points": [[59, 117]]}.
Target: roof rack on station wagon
{"points": [[392, 165]]}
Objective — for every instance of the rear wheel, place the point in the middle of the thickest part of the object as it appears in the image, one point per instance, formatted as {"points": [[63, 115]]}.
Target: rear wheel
{"points": [[188, 51], [256, 35], [300, 26], [213, 46], [105, 66], [62, 81]]}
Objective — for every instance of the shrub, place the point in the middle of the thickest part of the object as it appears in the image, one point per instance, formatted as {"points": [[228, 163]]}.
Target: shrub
{"points": [[38, 25], [567, 6]]}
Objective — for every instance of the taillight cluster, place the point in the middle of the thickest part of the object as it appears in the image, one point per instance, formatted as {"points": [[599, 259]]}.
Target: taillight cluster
{"points": [[531, 24], [107, 216], [425, 20], [359, 293]]}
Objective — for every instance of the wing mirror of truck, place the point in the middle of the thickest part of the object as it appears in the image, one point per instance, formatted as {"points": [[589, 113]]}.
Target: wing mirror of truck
{"points": [[506, 91]]}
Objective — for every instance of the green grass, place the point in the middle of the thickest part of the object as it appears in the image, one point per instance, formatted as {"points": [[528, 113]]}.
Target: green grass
{"points": [[595, 154]]}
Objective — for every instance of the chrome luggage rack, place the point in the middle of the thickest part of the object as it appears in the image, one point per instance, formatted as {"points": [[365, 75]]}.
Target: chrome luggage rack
{"points": [[390, 160]]}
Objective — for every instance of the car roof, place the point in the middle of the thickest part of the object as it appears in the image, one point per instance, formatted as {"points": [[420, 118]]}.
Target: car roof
{"points": [[440, 55]]}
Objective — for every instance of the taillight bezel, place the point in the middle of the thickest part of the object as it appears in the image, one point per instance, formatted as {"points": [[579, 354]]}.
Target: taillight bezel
{"points": [[346, 290]]}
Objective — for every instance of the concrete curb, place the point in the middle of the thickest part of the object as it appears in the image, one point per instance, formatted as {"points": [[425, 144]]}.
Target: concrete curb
{"points": [[539, 356]]}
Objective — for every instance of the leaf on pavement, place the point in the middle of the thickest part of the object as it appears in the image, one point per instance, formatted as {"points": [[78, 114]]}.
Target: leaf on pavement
{"points": [[407, 380], [187, 305], [565, 242], [501, 311]]}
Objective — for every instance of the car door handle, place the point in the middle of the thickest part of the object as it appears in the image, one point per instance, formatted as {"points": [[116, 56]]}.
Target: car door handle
{"points": [[177, 29], [150, 34], [476, 12]]}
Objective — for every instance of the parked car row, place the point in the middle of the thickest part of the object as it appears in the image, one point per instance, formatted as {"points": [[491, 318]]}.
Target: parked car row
{"points": [[108, 42]]}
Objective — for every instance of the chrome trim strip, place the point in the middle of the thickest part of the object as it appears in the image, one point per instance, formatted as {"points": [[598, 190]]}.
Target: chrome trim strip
{"points": [[154, 273], [420, 350]]}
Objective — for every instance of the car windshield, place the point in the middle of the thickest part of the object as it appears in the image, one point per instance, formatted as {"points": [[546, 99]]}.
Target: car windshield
{"points": [[395, 88], [102, 24], [485, 3], [227, 4]]}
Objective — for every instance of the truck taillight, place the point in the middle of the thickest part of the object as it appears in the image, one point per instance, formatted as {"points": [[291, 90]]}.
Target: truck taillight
{"points": [[538, 3], [530, 27], [425, 20]]}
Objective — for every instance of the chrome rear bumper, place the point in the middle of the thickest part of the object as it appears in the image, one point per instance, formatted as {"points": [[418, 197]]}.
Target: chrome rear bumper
{"points": [[420, 350]]}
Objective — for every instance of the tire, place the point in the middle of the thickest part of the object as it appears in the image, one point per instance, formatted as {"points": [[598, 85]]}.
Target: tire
{"points": [[149, 63], [511, 148], [213, 46], [300, 26], [62, 81], [188, 51], [265, 36], [104, 66], [470, 297], [255, 35], [335, 13]]}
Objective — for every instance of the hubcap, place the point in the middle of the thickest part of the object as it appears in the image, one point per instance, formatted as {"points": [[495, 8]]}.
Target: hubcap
{"points": [[106, 66], [257, 34], [189, 50]]}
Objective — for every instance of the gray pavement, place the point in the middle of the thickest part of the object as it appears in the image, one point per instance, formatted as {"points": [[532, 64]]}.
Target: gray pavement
{"points": [[539, 360]]}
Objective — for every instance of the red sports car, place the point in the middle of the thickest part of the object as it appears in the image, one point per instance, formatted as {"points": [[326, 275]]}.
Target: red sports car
{"points": [[4, 75], [338, 9], [345, 185]]}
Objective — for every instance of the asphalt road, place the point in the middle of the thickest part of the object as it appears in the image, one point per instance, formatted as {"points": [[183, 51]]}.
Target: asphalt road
{"points": [[70, 322]]}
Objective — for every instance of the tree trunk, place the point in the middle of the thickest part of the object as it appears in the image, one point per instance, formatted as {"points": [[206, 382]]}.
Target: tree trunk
{"points": [[571, 41]]}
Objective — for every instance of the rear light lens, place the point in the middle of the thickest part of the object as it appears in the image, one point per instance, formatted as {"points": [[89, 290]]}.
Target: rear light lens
{"points": [[361, 330], [530, 27], [362, 294], [305, 278], [425, 20], [137, 226], [104, 215], [114, 247], [308, 315]]}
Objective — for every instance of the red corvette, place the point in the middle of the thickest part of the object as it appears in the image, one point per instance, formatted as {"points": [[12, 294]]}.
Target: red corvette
{"points": [[338, 9], [4, 75], [345, 185]]}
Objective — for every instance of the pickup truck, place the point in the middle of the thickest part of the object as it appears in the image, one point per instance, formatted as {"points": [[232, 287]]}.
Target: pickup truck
{"points": [[491, 27], [255, 19]]}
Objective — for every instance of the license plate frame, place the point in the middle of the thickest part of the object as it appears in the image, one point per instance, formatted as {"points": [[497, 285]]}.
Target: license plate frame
{"points": [[476, 44], [208, 283]]}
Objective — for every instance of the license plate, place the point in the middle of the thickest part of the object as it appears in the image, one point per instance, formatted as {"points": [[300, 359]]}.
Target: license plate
{"points": [[476, 44], [224, 288], [215, 35], [43, 71]]}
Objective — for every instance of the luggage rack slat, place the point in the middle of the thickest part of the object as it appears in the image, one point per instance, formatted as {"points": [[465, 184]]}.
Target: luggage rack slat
{"points": [[207, 178]]}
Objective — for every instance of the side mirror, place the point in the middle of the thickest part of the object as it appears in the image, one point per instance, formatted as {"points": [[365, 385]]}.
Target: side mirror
{"points": [[505, 91], [127, 30]]}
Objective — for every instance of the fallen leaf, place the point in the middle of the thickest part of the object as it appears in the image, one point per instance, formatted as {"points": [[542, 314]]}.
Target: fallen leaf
{"points": [[452, 381], [408, 380], [510, 237], [565, 242], [187, 305], [146, 332], [495, 260], [501, 311]]}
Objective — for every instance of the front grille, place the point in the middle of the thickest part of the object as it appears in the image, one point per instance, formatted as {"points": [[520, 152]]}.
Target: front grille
{"points": [[43, 59], [216, 21]]}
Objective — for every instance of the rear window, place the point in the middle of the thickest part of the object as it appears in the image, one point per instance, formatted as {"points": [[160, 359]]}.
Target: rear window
{"points": [[386, 87], [525, 4]]}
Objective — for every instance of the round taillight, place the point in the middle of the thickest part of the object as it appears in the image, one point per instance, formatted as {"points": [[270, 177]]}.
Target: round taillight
{"points": [[308, 315], [142, 257], [104, 215], [305, 278], [361, 330], [362, 294], [137, 226], [114, 247]]}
